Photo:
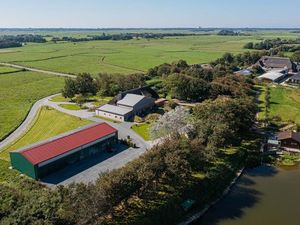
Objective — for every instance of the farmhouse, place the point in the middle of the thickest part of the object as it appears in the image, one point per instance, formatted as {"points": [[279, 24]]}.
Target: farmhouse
{"points": [[289, 140], [46, 157], [268, 63], [274, 76], [295, 79]]}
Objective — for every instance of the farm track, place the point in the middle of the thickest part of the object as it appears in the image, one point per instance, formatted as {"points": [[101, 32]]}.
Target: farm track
{"points": [[37, 70]]}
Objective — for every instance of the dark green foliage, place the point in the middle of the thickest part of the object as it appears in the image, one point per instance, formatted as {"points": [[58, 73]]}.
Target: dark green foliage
{"points": [[220, 121], [110, 85], [278, 44], [10, 41], [84, 84]]}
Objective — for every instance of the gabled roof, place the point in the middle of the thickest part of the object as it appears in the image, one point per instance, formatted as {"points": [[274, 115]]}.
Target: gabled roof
{"points": [[275, 62], [122, 111], [62, 144], [131, 100], [272, 75], [295, 77], [288, 135], [146, 91]]}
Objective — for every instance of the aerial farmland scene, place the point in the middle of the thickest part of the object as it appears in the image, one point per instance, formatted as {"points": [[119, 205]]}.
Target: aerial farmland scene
{"points": [[149, 112]]}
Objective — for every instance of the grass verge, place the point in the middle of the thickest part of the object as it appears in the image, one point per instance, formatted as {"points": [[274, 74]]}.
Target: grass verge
{"points": [[48, 123], [142, 130]]}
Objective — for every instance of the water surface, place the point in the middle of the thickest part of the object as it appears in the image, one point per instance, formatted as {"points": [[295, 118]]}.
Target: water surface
{"points": [[263, 196]]}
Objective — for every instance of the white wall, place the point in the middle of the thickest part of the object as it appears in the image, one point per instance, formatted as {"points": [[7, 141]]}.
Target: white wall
{"points": [[110, 115]]}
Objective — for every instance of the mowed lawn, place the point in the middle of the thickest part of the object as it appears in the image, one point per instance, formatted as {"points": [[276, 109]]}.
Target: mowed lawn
{"points": [[18, 91], [48, 123], [285, 103], [124, 56], [142, 130]]}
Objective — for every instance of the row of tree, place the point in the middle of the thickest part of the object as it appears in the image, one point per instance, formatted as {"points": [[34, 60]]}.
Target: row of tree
{"points": [[11, 41], [282, 44], [121, 36], [104, 84]]}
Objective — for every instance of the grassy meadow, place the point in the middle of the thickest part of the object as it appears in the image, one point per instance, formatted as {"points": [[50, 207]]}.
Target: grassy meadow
{"points": [[47, 124], [123, 56], [18, 91], [5, 69], [285, 103]]}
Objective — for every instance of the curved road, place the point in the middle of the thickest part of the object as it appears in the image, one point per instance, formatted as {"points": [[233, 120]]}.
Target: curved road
{"points": [[37, 70]]}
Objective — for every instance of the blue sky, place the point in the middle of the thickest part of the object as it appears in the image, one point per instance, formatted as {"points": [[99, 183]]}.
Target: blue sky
{"points": [[149, 13]]}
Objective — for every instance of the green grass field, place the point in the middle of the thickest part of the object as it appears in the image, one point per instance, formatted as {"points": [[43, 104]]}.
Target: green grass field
{"points": [[142, 130], [124, 56], [18, 91], [5, 69], [285, 102], [48, 123], [70, 106]]}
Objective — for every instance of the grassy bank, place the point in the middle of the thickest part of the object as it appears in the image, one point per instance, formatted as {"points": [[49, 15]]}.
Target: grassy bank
{"points": [[18, 91], [48, 123]]}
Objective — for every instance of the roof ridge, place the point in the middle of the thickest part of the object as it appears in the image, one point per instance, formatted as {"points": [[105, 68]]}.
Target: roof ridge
{"points": [[57, 137]]}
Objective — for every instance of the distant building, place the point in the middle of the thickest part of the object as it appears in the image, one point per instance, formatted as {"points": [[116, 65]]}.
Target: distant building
{"points": [[46, 157], [243, 72], [127, 104], [268, 63], [274, 76], [295, 79], [289, 140]]}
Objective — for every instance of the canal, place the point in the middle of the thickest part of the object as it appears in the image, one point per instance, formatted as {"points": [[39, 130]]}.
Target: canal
{"points": [[263, 196]]}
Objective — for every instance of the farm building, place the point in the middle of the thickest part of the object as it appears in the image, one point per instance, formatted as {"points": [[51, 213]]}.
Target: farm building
{"points": [[274, 76], [295, 79], [46, 157], [115, 112], [128, 104], [144, 91], [289, 140], [268, 63]]}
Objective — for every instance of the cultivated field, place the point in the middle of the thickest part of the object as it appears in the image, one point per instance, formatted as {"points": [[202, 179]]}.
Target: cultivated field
{"points": [[18, 91], [48, 123], [123, 56]]}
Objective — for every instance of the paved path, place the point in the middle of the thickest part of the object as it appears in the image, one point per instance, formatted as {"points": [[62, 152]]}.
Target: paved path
{"points": [[89, 171], [37, 70]]}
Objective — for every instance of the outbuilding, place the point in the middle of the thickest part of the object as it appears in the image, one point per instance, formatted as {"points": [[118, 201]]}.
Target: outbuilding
{"points": [[46, 157], [126, 108], [289, 140], [275, 76], [295, 79]]}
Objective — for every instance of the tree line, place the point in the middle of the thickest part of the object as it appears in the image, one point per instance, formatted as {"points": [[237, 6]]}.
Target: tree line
{"points": [[11, 41], [121, 36], [285, 45]]}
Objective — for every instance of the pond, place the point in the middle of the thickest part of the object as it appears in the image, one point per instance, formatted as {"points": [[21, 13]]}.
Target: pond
{"points": [[263, 196]]}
